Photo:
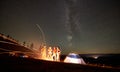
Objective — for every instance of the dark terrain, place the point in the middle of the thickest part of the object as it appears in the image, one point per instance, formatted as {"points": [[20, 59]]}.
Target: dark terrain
{"points": [[15, 64]]}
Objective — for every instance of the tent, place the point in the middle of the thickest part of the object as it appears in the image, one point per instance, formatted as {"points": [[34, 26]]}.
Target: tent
{"points": [[74, 58]]}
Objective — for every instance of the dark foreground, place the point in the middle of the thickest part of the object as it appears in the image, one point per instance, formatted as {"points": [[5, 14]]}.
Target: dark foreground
{"points": [[15, 64]]}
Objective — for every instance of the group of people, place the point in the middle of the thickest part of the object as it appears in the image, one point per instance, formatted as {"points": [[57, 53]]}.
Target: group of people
{"points": [[50, 53]]}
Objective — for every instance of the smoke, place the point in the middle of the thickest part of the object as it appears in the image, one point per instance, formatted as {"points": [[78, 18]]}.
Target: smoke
{"points": [[72, 20]]}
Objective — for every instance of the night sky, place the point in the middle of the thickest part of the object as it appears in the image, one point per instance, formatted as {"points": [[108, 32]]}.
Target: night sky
{"points": [[96, 28]]}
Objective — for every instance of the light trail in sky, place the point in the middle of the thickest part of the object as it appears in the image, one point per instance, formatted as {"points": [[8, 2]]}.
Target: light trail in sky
{"points": [[43, 35]]}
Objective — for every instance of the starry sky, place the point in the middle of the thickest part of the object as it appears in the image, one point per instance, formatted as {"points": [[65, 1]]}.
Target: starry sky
{"points": [[96, 26]]}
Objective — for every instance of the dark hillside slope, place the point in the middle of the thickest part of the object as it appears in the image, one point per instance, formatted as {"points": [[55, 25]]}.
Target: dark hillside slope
{"points": [[14, 64]]}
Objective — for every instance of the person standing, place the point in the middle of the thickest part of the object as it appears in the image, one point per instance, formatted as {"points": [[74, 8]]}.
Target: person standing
{"points": [[49, 54], [54, 53], [58, 54]]}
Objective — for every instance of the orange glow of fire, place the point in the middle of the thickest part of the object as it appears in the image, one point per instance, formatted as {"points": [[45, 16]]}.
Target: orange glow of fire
{"points": [[51, 54]]}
